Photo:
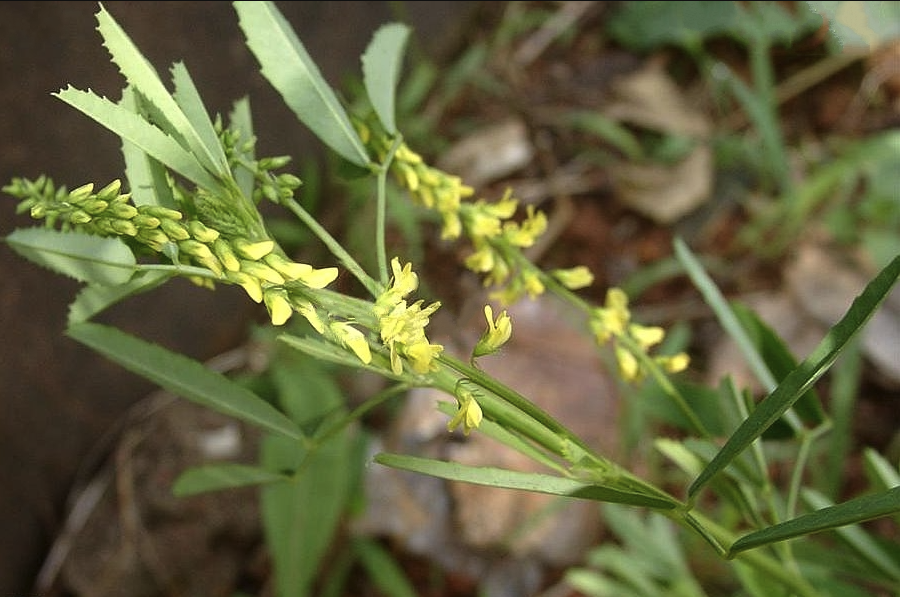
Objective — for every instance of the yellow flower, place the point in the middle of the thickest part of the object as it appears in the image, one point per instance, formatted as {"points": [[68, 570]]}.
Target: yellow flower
{"points": [[421, 355], [574, 278], [250, 284], [308, 310], [497, 334], [278, 305], [646, 336], [675, 363], [629, 367], [352, 338], [469, 412], [253, 251], [612, 319]]}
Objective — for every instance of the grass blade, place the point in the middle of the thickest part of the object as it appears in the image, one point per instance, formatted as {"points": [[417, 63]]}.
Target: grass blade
{"points": [[216, 477], [85, 257], [285, 62], [381, 63], [131, 127], [141, 75], [535, 482], [860, 509], [93, 299], [146, 175], [183, 376], [801, 379]]}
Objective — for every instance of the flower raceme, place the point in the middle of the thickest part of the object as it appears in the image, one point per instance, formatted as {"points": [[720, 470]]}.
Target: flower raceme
{"points": [[612, 322], [264, 274], [402, 326]]}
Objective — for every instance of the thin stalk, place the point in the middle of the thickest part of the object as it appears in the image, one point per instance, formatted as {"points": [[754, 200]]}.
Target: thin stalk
{"points": [[755, 559], [334, 246], [380, 212]]}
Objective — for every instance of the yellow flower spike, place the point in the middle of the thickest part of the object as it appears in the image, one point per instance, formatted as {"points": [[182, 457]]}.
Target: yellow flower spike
{"points": [[497, 334], [646, 336], [254, 251], [352, 338], [469, 413], [262, 272], [280, 309], [574, 278], [308, 310], [249, 283]]}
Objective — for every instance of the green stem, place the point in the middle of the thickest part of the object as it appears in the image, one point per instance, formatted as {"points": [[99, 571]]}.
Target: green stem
{"points": [[334, 246], [757, 560], [380, 213]]}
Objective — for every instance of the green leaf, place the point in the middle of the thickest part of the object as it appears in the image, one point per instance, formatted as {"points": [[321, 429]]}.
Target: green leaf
{"points": [[862, 543], [183, 376], [241, 120], [215, 477], [191, 104], [881, 473], [288, 67], [535, 482], [384, 571], [93, 298], [147, 181], [382, 63], [856, 510], [647, 25], [300, 517], [85, 257], [778, 358], [801, 379], [131, 127], [606, 129], [140, 74]]}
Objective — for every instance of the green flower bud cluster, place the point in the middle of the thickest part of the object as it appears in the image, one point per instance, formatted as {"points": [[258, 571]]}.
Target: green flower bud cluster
{"points": [[252, 264]]}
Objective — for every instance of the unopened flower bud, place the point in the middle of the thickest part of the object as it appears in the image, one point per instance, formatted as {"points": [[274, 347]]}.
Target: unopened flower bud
{"points": [[253, 250]]}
